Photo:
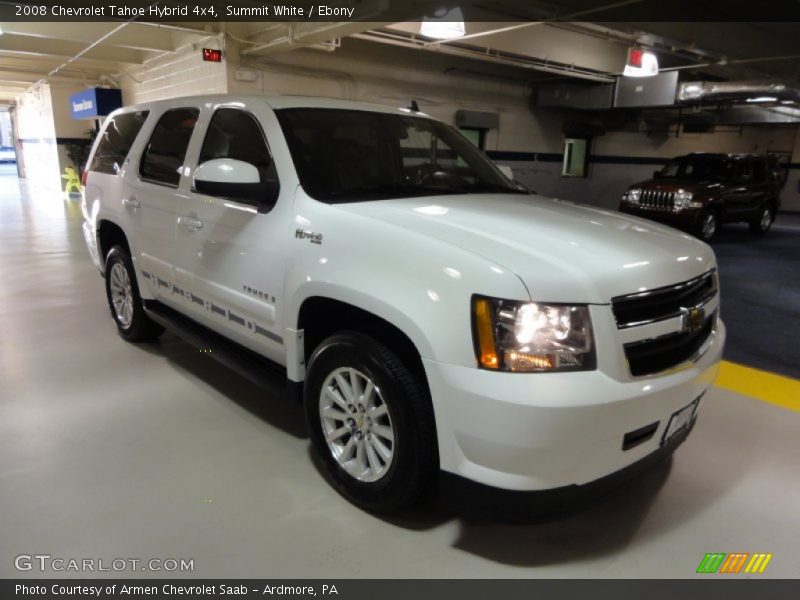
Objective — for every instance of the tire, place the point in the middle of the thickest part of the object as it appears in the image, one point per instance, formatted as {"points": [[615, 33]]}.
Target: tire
{"points": [[762, 223], [132, 322], [384, 485], [708, 225]]}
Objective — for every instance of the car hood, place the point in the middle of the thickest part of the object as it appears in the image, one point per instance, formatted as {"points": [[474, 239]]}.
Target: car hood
{"points": [[562, 252], [671, 185]]}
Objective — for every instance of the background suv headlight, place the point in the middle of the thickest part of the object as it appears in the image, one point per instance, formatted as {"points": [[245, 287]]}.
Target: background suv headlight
{"points": [[634, 195], [684, 200], [531, 336]]}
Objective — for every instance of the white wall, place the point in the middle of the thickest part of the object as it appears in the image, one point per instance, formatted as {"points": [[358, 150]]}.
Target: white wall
{"points": [[791, 191], [183, 73]]}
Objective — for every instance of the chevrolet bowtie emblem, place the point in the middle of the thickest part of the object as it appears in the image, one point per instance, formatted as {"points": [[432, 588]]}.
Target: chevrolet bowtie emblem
{"points": [[693, 319]]}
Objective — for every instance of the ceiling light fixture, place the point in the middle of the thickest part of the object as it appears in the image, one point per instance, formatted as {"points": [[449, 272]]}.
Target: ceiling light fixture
{"points": [[762, 99], [641, 63], [444, 25]]}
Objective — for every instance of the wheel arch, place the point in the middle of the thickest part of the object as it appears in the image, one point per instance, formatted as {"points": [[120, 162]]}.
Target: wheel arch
{"points": [[322, 314], [109, 234]]}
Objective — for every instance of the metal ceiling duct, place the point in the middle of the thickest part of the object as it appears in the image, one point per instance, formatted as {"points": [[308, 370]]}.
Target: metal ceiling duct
{"points": [[758, 92]]}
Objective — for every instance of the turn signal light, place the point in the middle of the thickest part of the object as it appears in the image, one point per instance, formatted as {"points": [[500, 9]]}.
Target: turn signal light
{"points": [[483, 328]]}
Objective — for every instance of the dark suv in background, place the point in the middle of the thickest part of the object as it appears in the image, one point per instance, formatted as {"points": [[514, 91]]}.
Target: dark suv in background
{"points": [[699, 192]]}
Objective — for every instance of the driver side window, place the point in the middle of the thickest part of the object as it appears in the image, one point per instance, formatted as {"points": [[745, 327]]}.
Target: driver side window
{"points": [[237, 135]]}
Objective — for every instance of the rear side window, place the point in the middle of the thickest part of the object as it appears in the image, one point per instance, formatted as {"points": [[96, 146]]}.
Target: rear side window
{"points": [[165, 152], [236, 134], [116, 141]]}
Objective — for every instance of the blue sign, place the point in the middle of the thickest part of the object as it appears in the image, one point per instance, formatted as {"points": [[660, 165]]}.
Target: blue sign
{"points": [[94, 102]]}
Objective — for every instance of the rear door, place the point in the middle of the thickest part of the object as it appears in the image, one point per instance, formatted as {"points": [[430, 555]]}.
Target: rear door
{"points": [[229, 256], [150, 196]]}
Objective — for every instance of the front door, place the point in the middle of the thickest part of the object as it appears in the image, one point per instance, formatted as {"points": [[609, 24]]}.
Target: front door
{"points": [[229, 261]]}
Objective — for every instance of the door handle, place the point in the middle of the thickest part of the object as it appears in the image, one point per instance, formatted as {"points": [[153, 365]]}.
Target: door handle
{"points": [[131, 203], [190, 223]]}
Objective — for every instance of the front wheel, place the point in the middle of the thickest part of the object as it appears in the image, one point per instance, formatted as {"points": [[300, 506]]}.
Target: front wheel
{"points": [[708, 225], [762, 223], [124, 300], [371, 422]]}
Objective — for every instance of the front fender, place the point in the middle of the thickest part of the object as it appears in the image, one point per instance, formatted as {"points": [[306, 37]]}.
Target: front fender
{"points": [[421, 285]]}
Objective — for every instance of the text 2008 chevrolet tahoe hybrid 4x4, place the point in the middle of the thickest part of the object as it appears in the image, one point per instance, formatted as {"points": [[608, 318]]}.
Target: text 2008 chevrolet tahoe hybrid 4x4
{"points": [[442, 323]]}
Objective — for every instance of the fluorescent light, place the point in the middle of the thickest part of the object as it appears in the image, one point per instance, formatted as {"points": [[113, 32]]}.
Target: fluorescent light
{"points": [[641, 63], [763, 99], [445, 25]]}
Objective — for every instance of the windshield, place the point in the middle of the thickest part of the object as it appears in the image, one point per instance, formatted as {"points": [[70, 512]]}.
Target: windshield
{"points": [[696, 167], [355, 155]]}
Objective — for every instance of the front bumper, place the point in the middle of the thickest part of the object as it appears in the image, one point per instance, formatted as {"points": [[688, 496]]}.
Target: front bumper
{"points": [[542, 431], [482, 501]]}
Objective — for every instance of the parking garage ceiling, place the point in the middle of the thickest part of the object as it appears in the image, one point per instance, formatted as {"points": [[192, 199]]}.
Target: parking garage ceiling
{"points": [[573, 39]]}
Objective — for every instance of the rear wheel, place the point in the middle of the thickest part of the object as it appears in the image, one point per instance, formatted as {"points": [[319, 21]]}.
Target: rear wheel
{"points": [[370, 420], [762, 223], [708, 225], [124, 300]]}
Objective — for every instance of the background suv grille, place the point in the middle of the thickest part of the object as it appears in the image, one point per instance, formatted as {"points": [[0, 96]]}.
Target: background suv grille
{"points": [[663, 303], [659, 354], [657, 199]]}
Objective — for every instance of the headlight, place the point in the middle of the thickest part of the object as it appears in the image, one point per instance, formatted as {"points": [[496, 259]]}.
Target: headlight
{"points": [[683, 200], [531, 336], [634, 195]]}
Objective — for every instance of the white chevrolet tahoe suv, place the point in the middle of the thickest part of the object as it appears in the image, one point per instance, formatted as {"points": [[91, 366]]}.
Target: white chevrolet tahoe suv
{"points": [[443, 324]]}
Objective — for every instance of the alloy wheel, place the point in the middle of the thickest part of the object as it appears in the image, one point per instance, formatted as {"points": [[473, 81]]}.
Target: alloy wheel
{"points": [[766, 219], [356, 424], [121, 294], [709, 226]]}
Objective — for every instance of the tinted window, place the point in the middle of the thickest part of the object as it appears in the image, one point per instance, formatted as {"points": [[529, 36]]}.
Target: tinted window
{"points": [[351, 155], [116, 141], [236, 134], [166, 150]]}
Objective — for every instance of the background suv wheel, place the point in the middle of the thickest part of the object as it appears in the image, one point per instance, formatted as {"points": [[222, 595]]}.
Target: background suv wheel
{"points": [[708, 225], [762, 223]]}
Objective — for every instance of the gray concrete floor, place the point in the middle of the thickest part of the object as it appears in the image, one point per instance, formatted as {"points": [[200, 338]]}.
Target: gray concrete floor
{"points": [[112, 450]]}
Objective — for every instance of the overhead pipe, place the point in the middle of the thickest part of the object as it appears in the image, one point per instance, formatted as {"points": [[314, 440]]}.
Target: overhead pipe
{"points": [[492, 56], [743, 91]]}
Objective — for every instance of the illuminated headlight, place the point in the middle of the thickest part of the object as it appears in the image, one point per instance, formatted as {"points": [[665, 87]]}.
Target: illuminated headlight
{"points": [[634, 195], [531, 336], [684, 200]]}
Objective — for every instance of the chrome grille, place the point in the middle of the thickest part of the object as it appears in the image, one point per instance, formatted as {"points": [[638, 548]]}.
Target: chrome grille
{"points": [[663, 303], [665, 327], [657, 199]]}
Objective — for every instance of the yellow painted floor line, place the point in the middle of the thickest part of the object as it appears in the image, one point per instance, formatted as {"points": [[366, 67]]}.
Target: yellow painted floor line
{"points": [[769, 387]]}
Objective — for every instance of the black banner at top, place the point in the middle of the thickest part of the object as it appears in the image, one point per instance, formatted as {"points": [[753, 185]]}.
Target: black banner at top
{"points": [[399, 10]]}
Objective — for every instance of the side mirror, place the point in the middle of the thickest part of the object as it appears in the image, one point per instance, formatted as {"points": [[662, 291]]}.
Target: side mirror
{"points": [[506, 170], [657, 174], [237, 180]]}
